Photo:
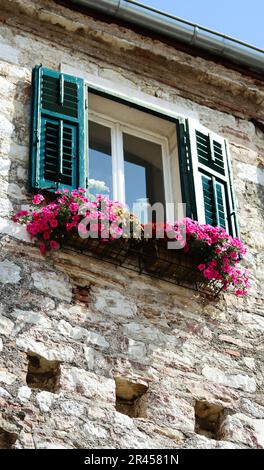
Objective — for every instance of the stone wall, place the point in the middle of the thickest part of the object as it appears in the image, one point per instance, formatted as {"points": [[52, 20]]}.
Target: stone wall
{"points": [[97, 356]]}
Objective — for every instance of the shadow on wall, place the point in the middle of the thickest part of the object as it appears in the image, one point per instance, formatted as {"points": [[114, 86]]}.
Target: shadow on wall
{"points": [[17, 148], [260, 185], [259, 128]]}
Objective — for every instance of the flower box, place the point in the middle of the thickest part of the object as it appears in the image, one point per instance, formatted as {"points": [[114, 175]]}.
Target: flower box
{"points": [[170, 263], [117, 251], [209, 257]]}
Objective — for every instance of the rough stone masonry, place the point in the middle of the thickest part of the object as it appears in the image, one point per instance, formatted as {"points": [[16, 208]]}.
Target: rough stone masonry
{"points": [[97, 356]]}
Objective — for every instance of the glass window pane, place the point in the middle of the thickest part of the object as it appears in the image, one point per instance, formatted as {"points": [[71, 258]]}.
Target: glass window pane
{"points": [[100, 160], [143, 173]]}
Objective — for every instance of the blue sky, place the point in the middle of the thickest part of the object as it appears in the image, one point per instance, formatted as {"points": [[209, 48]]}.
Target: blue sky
{"points": [[241, 19]]}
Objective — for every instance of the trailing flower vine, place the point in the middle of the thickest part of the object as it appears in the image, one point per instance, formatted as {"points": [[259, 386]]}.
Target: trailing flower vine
{"points": [[218, 253], [50, 224]]}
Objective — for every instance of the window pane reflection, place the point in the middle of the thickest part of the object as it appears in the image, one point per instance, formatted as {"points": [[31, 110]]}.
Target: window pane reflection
{"points": [[143, 174], [100, 160]]}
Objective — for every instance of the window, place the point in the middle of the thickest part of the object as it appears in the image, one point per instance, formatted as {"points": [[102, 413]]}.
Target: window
{"points": [[83, 137], [130, 154]]}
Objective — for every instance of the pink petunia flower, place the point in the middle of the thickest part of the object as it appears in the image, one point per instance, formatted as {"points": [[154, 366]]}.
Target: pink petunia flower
{"points": [[74, 207], [54, 245], [53, 223], [201, 266], [46, 235], [38, 199]]}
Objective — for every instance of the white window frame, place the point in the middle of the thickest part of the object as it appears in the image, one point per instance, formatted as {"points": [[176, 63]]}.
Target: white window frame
{"points": [[117, 128]]}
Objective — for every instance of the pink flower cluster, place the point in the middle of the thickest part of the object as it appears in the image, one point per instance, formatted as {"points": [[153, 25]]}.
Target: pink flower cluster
{"points": [[72, 211], [103, 218], [38, 199], [221, 255], [217, 254]]}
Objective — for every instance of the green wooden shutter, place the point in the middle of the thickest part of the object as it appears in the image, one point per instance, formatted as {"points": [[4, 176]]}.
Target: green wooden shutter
{"points": [[210, 173], [58, 154], [186, 171], [214, 201]]}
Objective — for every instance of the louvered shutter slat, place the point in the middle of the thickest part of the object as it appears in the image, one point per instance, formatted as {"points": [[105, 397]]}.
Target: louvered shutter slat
{"points": [[214, 185], [208, 201], [206, 170], [58, 154], [211, 156]]}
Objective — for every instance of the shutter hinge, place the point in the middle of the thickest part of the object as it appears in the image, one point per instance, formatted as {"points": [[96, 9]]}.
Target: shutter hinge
{"points": [[86, 103], [86, 182]]}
